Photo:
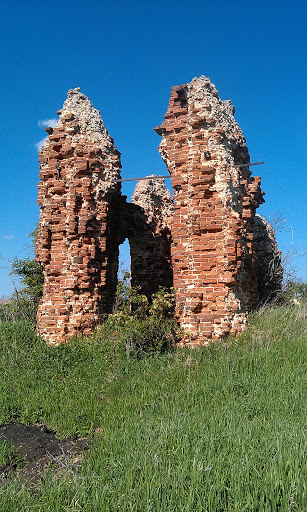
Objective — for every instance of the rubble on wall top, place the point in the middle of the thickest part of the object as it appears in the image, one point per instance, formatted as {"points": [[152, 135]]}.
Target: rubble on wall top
{"points": [[153, 195], [79, 118], [203, 93], [204, 81]]}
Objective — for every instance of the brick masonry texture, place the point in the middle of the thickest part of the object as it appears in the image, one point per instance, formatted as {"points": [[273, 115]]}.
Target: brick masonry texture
{"points": [[207, 242], [213, 254], [150, 247], [79, 163]]}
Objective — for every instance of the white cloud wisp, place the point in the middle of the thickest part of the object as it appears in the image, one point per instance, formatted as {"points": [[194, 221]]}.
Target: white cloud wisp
{"points": [[47, 122], [40, 143], [43, 124]]}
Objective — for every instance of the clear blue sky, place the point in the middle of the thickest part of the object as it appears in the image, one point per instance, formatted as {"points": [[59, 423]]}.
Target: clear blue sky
{"points": [[125, 56]]}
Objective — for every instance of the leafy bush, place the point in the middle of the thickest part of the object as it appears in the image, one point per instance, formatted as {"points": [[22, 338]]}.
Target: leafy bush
{"points": [[142, 326], [6, 312], [147, 336]]}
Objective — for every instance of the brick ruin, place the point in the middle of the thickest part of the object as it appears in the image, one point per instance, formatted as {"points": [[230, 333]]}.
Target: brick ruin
{"points": [[215, 202], [79, 164], [150, 247], [83, 220], [207, 242]]}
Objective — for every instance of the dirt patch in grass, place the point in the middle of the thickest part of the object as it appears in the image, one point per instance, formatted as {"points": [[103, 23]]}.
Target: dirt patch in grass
{"points": [[37, 450]]}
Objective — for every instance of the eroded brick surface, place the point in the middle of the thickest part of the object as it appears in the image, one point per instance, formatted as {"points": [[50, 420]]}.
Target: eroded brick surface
{"points": [[207, 242], [215, 201], [151, 213], [79, 163]]}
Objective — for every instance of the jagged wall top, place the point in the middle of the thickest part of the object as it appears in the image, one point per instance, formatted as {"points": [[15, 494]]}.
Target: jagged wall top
{"points": [[202, 91], [154, 198], [87, 119], [81, 131]]}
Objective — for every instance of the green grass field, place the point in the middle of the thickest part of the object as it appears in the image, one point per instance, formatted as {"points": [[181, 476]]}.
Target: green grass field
{"points": [[213, 429]]}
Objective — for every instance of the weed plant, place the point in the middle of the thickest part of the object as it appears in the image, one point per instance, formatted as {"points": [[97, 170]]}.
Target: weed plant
{"points": [[216, 429], [6, 453]]}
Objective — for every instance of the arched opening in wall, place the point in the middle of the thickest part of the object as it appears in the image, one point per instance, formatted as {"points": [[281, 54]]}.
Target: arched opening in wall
{"points": [[151, 215], [122, 299], [124, 258]]}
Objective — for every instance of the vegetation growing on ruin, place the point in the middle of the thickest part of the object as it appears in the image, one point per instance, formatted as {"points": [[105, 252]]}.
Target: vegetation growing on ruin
{"points": [[221, 428]]}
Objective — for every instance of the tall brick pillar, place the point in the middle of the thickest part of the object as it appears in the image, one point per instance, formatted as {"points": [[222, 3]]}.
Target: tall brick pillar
{"points": [[215, 201], [79, 164]]}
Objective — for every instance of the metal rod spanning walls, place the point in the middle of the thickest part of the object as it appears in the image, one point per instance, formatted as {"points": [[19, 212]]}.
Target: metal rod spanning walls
{"points": [[168, 176]]}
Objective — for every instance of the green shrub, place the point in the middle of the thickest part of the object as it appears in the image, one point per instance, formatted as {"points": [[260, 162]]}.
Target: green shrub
{"points": [[149, 335], [24, 301], [143, 327], [7, 313]]}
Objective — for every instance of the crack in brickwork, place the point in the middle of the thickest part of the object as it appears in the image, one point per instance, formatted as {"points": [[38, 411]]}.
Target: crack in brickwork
{"points": [[207, 242]]}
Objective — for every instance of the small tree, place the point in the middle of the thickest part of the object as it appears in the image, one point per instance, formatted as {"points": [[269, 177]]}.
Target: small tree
{"points": [[27, 294], [25, 299]]}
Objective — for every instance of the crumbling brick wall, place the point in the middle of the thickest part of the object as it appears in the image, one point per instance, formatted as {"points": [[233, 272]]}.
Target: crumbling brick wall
{"points": [[207, 242], [149, 233], [79, 164], [215, 201], [83, 220]]}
